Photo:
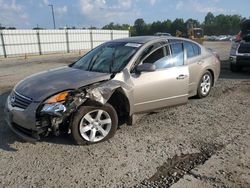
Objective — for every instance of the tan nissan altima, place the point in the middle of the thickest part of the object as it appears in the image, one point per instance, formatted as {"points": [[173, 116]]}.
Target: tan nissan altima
{"points": [[91, 97]]}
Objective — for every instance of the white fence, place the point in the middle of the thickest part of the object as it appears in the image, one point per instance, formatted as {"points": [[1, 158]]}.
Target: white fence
{"points": [[21, 42]]}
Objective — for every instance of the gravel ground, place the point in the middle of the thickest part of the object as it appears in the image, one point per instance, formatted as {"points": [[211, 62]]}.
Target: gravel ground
{"points": [[205, 143]]}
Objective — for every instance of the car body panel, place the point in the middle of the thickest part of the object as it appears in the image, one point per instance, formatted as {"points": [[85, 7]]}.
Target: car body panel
{"points": [[166, 89], [24, 117], [194, 66]]}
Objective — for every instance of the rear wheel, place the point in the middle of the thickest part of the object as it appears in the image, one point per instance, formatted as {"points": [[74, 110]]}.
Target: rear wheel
{"points": [[235, 68], [205, 85], [94, 124]]}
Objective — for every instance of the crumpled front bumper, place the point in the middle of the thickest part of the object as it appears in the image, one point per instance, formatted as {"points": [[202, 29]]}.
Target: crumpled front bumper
{"points": [[22, 121]]}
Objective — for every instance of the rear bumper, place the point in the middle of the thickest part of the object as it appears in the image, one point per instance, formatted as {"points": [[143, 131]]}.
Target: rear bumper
{"points": [[22, 121]]}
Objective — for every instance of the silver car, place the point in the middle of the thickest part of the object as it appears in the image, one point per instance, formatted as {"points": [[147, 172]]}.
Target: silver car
{"points": [[109, 85]]}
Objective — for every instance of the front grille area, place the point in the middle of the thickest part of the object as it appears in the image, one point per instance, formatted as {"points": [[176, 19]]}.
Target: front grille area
{"points": [[244, 48], [20, 101]]}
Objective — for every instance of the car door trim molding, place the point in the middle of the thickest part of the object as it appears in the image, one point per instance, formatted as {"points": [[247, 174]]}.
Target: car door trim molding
{"points": [[158, 100]]}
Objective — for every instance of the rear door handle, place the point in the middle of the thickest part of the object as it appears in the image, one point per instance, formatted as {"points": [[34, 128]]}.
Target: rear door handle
{"points": [[181, 77]]}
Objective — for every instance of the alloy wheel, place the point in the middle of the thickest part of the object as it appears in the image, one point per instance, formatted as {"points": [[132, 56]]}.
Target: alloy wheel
{"points": [[205, 84], [95, 125]]}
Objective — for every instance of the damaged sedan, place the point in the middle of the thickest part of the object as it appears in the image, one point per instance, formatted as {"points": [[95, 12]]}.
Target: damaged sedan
{"points": [[105, 88]]}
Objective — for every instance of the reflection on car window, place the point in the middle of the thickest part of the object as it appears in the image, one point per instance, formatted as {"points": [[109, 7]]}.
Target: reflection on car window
{"points": [[197, 49], [165, 62], [177, 54], [108, 58], [192, 49], [161, 58]]}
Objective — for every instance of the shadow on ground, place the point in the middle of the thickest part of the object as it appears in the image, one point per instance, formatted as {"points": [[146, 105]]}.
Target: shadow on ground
{"points": [[6, 136]]}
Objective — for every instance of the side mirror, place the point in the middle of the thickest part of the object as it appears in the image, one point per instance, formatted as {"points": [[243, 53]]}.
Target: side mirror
{"points": [[146, 67]]}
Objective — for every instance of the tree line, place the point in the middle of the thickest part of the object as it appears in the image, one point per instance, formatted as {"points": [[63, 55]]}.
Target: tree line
{"points": [[212, 25]]}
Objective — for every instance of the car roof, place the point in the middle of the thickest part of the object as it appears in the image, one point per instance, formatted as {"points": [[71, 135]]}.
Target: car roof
{"points": [[140, 39], [146, 39]]}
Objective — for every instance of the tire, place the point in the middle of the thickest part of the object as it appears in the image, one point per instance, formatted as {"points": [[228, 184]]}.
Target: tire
{"points": [[205, 85], [235, 68], [87, 128]]}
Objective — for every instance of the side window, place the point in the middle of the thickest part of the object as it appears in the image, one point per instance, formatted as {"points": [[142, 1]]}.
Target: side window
{"points": [[148, 50], [177, 54], [160, 58], [197, 49], [166, 61], [190, 50], [155, 56]]}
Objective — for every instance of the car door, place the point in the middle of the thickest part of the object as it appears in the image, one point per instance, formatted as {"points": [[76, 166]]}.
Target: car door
{"points": [[194, 62], [166, 86]]}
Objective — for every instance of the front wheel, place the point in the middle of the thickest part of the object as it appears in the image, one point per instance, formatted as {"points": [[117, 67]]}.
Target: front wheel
{"points": [[205, 85], [94, 124]]}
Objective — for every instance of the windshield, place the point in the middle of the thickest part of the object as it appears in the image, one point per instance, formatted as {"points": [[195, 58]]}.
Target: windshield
{"points": [[108, 58]]}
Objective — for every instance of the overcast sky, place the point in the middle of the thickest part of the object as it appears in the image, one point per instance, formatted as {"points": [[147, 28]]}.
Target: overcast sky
{"points": [[86, 13]]}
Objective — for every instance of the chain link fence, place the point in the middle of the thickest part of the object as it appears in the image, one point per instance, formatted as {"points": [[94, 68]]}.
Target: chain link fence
{"points": [[23, 42]]}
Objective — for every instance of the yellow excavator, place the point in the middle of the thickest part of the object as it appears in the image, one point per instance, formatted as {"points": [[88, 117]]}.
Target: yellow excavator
{"points": [[194, 33]]}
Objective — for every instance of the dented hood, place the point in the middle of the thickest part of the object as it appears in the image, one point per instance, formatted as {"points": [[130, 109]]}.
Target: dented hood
{"points": [[42, 85]]}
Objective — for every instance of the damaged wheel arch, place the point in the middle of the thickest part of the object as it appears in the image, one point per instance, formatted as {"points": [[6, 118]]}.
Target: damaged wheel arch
{"points": [[96, 95]]}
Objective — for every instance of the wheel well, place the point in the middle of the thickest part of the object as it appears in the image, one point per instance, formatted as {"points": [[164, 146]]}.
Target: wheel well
{"points": [[212, 73], [121, 104]]}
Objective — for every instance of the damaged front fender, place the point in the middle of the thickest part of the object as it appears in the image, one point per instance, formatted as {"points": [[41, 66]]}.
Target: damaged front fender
{"points": [[105, 90], [99, 92]]}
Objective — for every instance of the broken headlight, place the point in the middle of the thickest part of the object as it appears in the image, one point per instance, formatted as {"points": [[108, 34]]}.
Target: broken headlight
{"points": [[55, 104]]}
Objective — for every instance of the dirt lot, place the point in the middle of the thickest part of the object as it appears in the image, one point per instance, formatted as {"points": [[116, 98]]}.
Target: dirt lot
{"points": [[205, 143]]}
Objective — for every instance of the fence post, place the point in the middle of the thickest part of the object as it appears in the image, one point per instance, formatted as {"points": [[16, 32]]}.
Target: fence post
{"points": [[39, 42], [67, 40], [112, 35], [91, 39], [3, 45]]}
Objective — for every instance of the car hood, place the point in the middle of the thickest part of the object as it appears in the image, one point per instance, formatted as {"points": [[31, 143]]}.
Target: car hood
{"points": [[42, 85]]}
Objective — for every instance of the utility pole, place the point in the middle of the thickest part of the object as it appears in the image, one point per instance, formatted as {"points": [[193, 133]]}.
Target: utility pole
{"points": [[53, 15]]}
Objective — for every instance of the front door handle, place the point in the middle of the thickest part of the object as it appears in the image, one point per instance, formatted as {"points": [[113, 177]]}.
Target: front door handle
{"points": [[181, 77]]}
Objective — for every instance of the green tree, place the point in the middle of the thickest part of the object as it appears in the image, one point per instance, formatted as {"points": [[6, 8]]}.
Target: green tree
{"points": [[178, 24], [140, 27], [209, 19]]}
